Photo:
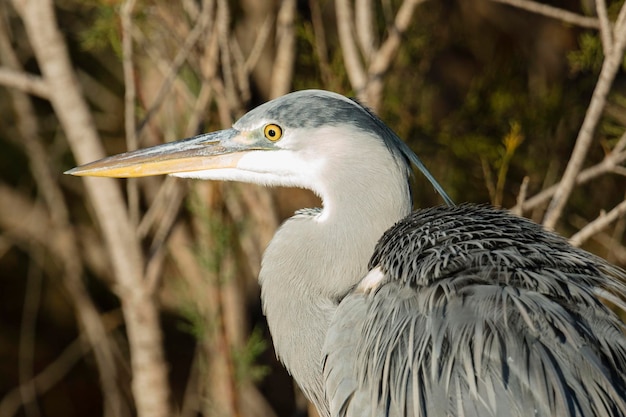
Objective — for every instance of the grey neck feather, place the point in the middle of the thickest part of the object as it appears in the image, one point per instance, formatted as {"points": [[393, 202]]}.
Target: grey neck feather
{"points": [[314, 260]]}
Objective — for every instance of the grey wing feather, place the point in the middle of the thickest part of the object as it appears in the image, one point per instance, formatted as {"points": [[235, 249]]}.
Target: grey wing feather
{"points": [[478, 313]]}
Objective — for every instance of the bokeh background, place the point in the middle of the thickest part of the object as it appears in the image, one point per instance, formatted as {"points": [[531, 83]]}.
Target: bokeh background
{"points": [[123, 298]]}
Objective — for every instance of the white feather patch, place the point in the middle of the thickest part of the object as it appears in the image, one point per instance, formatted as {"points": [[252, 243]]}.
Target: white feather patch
{"points": [[371, 281]]}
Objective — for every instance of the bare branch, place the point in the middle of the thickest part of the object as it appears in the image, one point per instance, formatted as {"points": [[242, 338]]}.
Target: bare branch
{"points": [[28, 83], [45, 380], [321, 47], [28, 342], [259, 43], [66, 246], [598, 224], [199, 28], [282, 71], [352, 60], [521, 196], [609, 69], [553, 12], [129, 74], [388, 50], [150, 387], [607, 165], [364, 19], [130, 126], [54, 372], [384, 56], [606, 31]]}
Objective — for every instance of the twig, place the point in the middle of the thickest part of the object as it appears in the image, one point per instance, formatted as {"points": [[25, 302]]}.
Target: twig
{"points": [[384, 56], [352, 61], [606, 31], [259, 43], [199, 28], [618, 251], [489, 182], [282, 70], [321, 48], [162, 64], [222, 23], [27, 342], [553, 12], [598, 224], [28, 83], [129, 74], [46, 379], [608, 164], [241, 73], [609, 69], [364, 19], [616, 237], [521, 196], [129, 101]]}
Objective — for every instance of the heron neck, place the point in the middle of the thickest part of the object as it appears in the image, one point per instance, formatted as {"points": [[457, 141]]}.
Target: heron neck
{"points": [[314, 260]]}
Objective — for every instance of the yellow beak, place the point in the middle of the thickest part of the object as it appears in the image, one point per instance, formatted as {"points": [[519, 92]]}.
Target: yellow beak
{"points": [[221, 149]]}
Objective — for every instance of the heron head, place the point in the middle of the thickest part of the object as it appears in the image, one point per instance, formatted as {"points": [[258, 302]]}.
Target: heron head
{"points": [[296, 140]]}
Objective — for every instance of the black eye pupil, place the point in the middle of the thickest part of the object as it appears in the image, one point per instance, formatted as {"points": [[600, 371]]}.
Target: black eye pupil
{"points": [[271, 133]]}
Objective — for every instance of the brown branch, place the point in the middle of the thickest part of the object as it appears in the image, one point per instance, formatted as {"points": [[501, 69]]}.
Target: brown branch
{"points": [[262, 36], [54, 372], [162, 64], [553, 12], [606, 30], [609, 164], [130, 125], [603, 220], [282, 70], [46, 379], [200, 26], [321, 47], [352, 60], [149, 384], [27, 341], [364, 19], [384, 56], [521, 196], [27, 83], [610, 66], [66, 246], [367, 80]]}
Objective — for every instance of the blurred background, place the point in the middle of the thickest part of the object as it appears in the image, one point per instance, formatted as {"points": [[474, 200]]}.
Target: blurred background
{"points": [[139, 297]]}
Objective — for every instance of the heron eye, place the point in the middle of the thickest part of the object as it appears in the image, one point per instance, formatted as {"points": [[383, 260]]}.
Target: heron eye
{"points": [[273, 132]]}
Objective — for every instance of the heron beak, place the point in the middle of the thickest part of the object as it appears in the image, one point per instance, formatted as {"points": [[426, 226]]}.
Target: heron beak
{"points": [[221, 149]]}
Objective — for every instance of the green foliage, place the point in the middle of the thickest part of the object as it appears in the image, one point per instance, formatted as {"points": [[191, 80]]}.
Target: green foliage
{"points": [[245, 359], [104, 32], [589, 55], [193, 322], [216, 236]]}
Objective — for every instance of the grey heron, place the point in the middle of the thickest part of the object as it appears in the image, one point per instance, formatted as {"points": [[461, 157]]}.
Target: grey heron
{"points": [[379, 311]]}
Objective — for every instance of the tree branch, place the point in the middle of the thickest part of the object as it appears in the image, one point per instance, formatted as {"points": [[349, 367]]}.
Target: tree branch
{"points": [[28, 83], [610, 66], [352, 60], [598, 224], [553, 12], [609, 164], [282, 70], [150, 387]]}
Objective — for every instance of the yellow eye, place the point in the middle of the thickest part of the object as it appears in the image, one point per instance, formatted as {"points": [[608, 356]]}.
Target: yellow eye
{"points": [[273, 132]]}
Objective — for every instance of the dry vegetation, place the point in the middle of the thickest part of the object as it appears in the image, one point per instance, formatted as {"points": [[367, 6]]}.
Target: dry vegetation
{"points": [[140, 297]]}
